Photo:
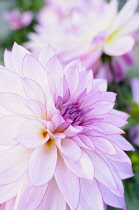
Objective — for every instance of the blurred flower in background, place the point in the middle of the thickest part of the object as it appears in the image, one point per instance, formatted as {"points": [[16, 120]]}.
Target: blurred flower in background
{"points": [[16, 20], [86, 30]]}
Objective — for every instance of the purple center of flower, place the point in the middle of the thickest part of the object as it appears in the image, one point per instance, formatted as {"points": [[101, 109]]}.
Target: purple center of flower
{"points": [[72, 112]]}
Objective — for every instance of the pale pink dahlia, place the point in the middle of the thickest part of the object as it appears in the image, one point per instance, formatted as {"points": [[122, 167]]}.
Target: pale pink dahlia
{"points": [[60, 139]]}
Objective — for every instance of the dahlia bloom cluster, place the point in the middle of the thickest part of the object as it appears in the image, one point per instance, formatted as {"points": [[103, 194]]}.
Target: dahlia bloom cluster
{"points": [[60, 138], [17, 20], [85, 30]]}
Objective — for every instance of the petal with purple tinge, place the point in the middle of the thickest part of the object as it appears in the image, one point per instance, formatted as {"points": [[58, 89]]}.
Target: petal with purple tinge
{"points": [[9, 126], [53, 199], [90, 196], [66, 180], [37, 108], [102, 168], [70, 149], [32, 134], [33, 90], [42, 160], [27, 197], [12, 169], [14, 103], [84, 168], [119, 45]]}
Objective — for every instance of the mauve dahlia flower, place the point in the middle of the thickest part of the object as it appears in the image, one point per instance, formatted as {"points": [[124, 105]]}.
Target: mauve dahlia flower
{"points": [[87, 30], [60, 142]]}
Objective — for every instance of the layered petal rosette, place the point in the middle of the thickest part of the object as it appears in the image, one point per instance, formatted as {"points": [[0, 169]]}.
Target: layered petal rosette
{"points": [[86, 29], [60, 138]]}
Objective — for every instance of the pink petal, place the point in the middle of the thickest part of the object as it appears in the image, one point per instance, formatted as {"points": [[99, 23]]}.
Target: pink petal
{"points": [[53, 198], [66, 180], [10, 204], [83, 168], [9, 126], [101, 107], [33, 90], [102, 171], [9, 191], [14, 103], [126, 12], [8, 60], [123, 169], [103, 145], [71, 131], [13, 167], [18, 53], [29, 197], [30, 134], [111, 199], [33, 70], [37, 108], [119, 46], [131, 26], [90, 197], [11, 82], [42, 160], [99, 85], [72, 76], [70, 149], [55, 69], [45, 55], [121, 142]]}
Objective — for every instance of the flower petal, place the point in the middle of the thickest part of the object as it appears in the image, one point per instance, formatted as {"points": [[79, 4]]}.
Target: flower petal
{"points": [[14, 103], [66, 180], [43, 159], [83, 168], [33, 90], [119, 45], [53, 198], [90, 196], [9, 126], [31, 134], [27, 197], [15, 164]]}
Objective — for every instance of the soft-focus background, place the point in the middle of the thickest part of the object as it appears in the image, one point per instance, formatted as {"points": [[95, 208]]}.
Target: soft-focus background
{"points": [[19, 35]]}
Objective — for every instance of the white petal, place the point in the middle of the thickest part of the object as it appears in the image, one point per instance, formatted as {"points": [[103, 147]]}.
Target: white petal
{"points": [[90, 196], [83, 168], [53, 199], [15, 164], [42, 160], [32, 134], [33, 90], [29, 197], [66, 180]]}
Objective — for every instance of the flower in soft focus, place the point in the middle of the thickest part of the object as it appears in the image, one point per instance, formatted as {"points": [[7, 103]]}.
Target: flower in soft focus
{"points": [[134, 134], [87, 30], [135, 90], [120, 66], [17, 20], [60, 138]]}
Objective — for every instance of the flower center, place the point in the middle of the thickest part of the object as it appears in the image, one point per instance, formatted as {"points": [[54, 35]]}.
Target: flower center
{"points": [[72, 112]]}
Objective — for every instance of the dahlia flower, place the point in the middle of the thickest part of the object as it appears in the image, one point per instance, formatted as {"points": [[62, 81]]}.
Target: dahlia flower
{"points": [[60, 138], [17, 20], [86, 29]]}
